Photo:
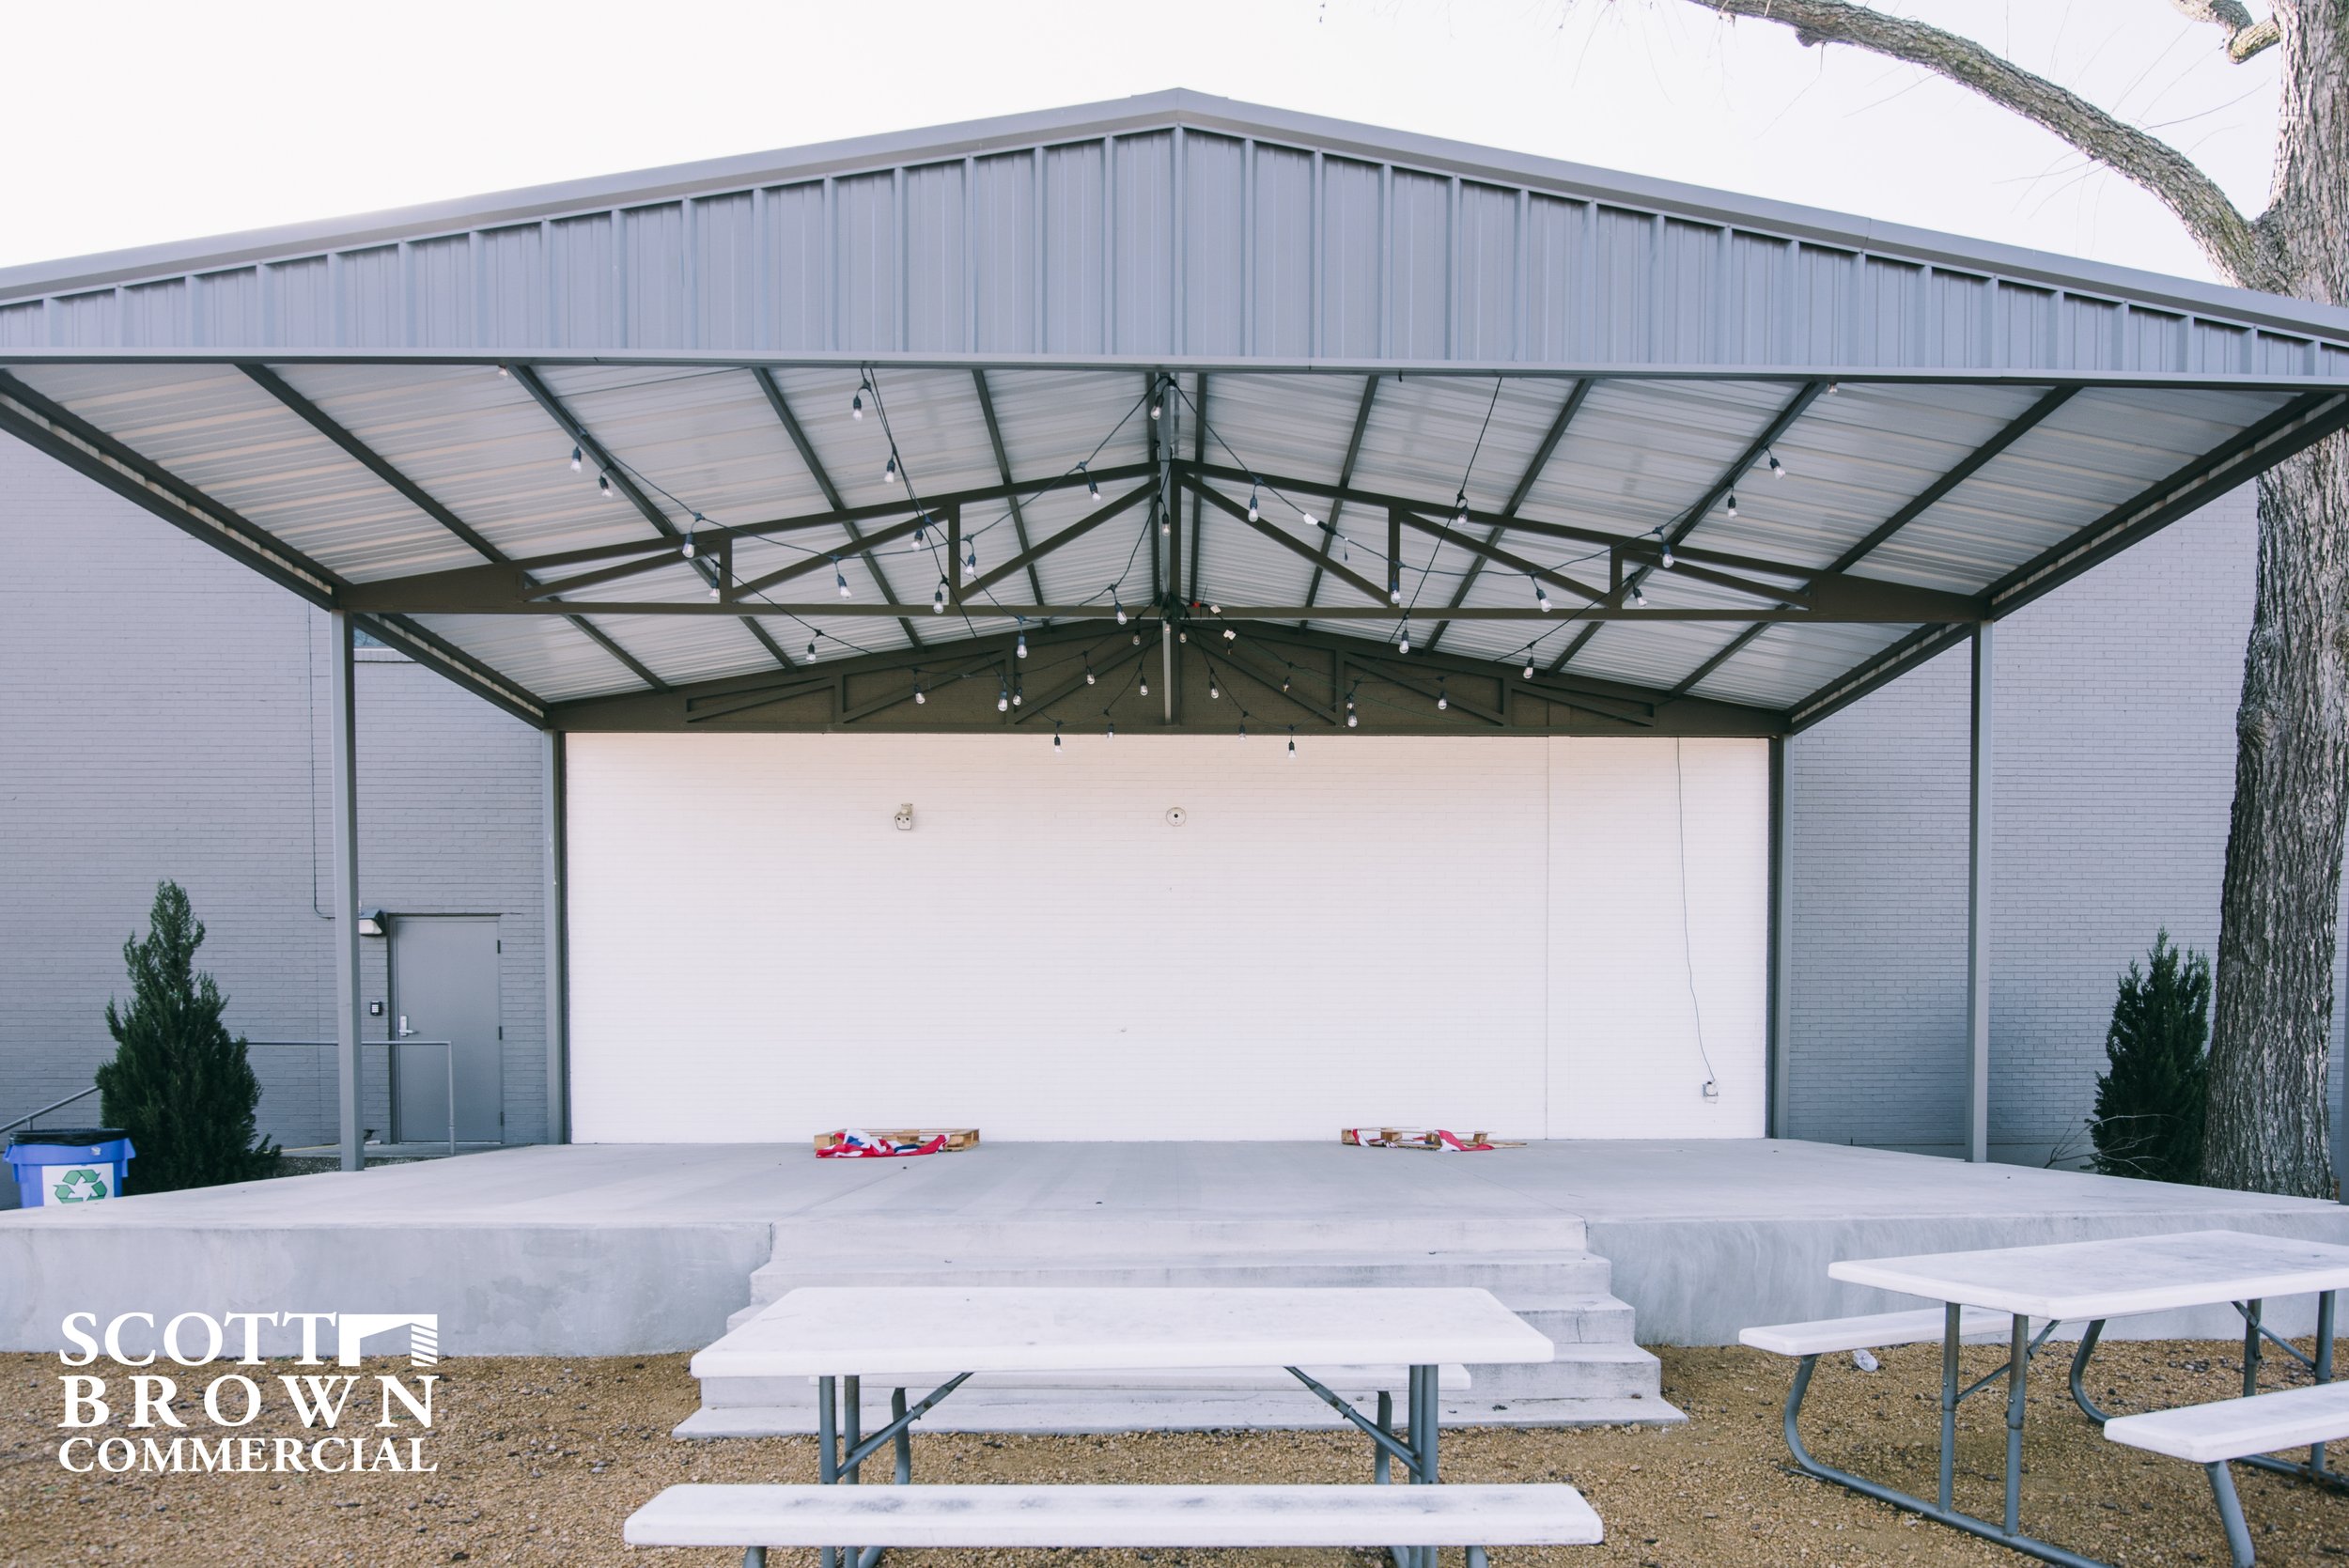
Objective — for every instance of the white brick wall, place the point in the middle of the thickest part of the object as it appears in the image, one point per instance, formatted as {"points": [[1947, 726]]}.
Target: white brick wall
{"points": [[1465, 933]]}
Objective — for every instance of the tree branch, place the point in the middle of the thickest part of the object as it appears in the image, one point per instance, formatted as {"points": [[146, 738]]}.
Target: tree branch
{"points": [[2224, 234], [2245, 36]]}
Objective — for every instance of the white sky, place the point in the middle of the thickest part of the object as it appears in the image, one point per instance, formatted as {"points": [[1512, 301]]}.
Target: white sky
{"points": [[136, 123]]}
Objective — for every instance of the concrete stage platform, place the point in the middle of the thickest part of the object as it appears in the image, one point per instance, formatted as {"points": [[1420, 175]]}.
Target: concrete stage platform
{"points": [[608, 1249]]}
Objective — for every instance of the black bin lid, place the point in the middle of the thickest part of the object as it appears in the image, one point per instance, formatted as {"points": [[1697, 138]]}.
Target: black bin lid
{"points": [[70, 1137]]}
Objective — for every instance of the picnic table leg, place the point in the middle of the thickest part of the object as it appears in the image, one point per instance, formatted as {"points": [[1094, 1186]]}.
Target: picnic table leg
{"points": [[2250, 1348], [1952, 1315], [1424, 1419], [2230, 1514], [826, 1455], [2079, 1372], [904, 1441], [851, 1432], [2018, 1370], [1379, 1461], [2323, 1371]]}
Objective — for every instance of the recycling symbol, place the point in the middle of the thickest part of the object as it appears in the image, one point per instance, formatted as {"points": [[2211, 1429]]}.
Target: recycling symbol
{"points": [[80, 1186]]}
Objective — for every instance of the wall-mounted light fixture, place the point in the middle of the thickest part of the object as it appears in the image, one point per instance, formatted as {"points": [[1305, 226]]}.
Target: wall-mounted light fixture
{"points": [[372, 922]]}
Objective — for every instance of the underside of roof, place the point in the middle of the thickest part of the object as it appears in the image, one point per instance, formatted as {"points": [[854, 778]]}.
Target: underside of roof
{"points": [[1176, 413]]}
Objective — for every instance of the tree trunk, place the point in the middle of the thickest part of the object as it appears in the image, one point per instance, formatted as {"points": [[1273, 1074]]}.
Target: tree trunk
{"points": [[2268, 1126], [2271, 1032]]}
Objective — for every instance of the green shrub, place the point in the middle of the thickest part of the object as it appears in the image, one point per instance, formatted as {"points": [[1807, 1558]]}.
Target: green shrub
{"points": [[180, 1083], [2149, 1099]]}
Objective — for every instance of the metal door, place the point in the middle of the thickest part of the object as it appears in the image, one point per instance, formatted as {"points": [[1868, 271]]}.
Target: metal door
{"points": [[444, 987]]}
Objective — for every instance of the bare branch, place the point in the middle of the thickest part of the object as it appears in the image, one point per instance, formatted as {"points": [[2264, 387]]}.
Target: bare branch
{"points": [[2224, 234], [2245, 36]]}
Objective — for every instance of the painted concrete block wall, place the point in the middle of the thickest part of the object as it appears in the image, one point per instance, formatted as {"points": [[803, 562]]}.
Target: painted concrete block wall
{"points": [[1355, 936], [165, 713], [2114, 770]]}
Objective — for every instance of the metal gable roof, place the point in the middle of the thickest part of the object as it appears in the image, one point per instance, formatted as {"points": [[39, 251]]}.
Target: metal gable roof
{"points": [[1858, 440], [1167, 225]]}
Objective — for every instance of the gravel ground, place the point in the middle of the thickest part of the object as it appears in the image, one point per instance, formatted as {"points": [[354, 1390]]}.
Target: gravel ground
{"points": [[540, 1460]]}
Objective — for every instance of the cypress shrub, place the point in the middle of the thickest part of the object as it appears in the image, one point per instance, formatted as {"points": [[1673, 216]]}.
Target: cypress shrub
{"points": [[2149, 1099], [180, 1083]]}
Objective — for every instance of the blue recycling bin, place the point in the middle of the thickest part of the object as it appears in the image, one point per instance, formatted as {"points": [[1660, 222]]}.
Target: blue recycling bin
{"points": [[57, 1166]]}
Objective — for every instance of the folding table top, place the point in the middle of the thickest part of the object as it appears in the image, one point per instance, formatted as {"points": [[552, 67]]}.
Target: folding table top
{"points": [[2112, 1278]]}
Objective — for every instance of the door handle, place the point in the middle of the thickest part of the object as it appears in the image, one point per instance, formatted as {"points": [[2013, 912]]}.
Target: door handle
{"points": [[403, 1031]]}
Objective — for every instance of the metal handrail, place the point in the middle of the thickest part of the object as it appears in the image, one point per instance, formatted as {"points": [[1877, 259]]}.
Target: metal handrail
{"points": [[60, 1105]]}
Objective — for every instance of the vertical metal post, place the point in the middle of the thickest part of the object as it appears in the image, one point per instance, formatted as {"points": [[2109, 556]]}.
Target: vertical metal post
{"points": [[558, 933], [1977, 904], [1171, 524], [1953, 1315], [1779, 1117], [344, 797], [827, 1453], [2324, 1370], [2018, 1370], [2250, 1348]]}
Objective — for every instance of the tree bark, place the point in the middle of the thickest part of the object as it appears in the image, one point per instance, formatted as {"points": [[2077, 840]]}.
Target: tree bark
{"points": [[2268, 1126]]}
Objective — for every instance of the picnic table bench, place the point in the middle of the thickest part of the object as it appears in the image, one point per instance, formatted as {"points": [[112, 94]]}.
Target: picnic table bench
{"points": [[947, 1335]]}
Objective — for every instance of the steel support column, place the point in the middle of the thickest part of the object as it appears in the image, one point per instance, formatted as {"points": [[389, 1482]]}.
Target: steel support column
{"points": [[558, 932], [343, 798], [1978, 901], [1779, 1115]]}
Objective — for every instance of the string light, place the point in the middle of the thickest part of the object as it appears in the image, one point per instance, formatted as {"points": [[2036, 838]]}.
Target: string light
{"points": [[1022, 649], [937, 599], [811, 646], [1215, 693], [856, 402], [1230, 635], [970, 564], [922, 528], [1402, 638], [1090, 677], [1113, 731], [1292, 742], [575, 457], [1154, 401], [603, 486], [1002, 699], [1243, 732], [1444, 697], [1253, 513], [1664, 551], [503, 372], [1093, 486], [1056, 737], [1541, 597], [1778, 469], [1460, 518], [1638, 599], [889, 471], [1018, 693], [919, 698], [686, 548], [1733, 502], [1395, 586], [1529, 666], [1309, 519], [839, 578], [1116, 606], [1146, 686]]}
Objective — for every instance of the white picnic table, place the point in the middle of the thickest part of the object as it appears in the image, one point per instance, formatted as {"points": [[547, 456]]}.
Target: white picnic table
{"points": [[2090, 1283], [841, 1336]]}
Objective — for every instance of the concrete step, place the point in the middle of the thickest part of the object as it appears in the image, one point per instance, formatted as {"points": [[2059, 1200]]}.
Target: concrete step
{"points": [[1595, 1318], [1005, 1410], [1579, 1372], [1511, 1276], [1081, 1234]]}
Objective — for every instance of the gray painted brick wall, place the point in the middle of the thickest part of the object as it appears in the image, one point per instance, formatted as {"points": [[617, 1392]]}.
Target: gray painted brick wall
{"points": [[2113, 772], [163, 712]]}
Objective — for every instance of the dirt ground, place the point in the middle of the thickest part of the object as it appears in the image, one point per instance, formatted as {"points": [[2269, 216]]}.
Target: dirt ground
{"points": [[540, 1460]]}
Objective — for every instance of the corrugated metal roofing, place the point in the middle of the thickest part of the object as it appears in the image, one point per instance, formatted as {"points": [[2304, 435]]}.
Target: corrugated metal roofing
{"points": [[1417, 318]]}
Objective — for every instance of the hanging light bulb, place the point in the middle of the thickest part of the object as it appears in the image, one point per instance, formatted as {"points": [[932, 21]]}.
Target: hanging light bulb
{"points": [[575, 457], [1778, 469], [1021, 650], [1733, 504], [1529, 669], [1638, 599], [1352, 718], [1285, 684], [1119, 608], [1113, 733], [1541, 599], [1664, 555], [686, 547], [1056, 739], [603, 486], [1093, 486], [1231, 634], [840, 580], [856, 402], [1395, 588], [503, 372], [1292, 742], [1146, 686], [1002, 699], [1090, 677], [889, 471], [919, 697], [811, 647], [717, 588], [937, 599], [970, 564], [1019, 695], [1402, 638], [922, 528], [1461, 513], [1137, 639], [1253, 513], [1243, 732], [1153, 402], [1310, 520], [1215, 693], [1444, 697]]}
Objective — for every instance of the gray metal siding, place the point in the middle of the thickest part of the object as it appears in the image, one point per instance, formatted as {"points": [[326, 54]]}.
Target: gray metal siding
{"points": [[1166, 241]]}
